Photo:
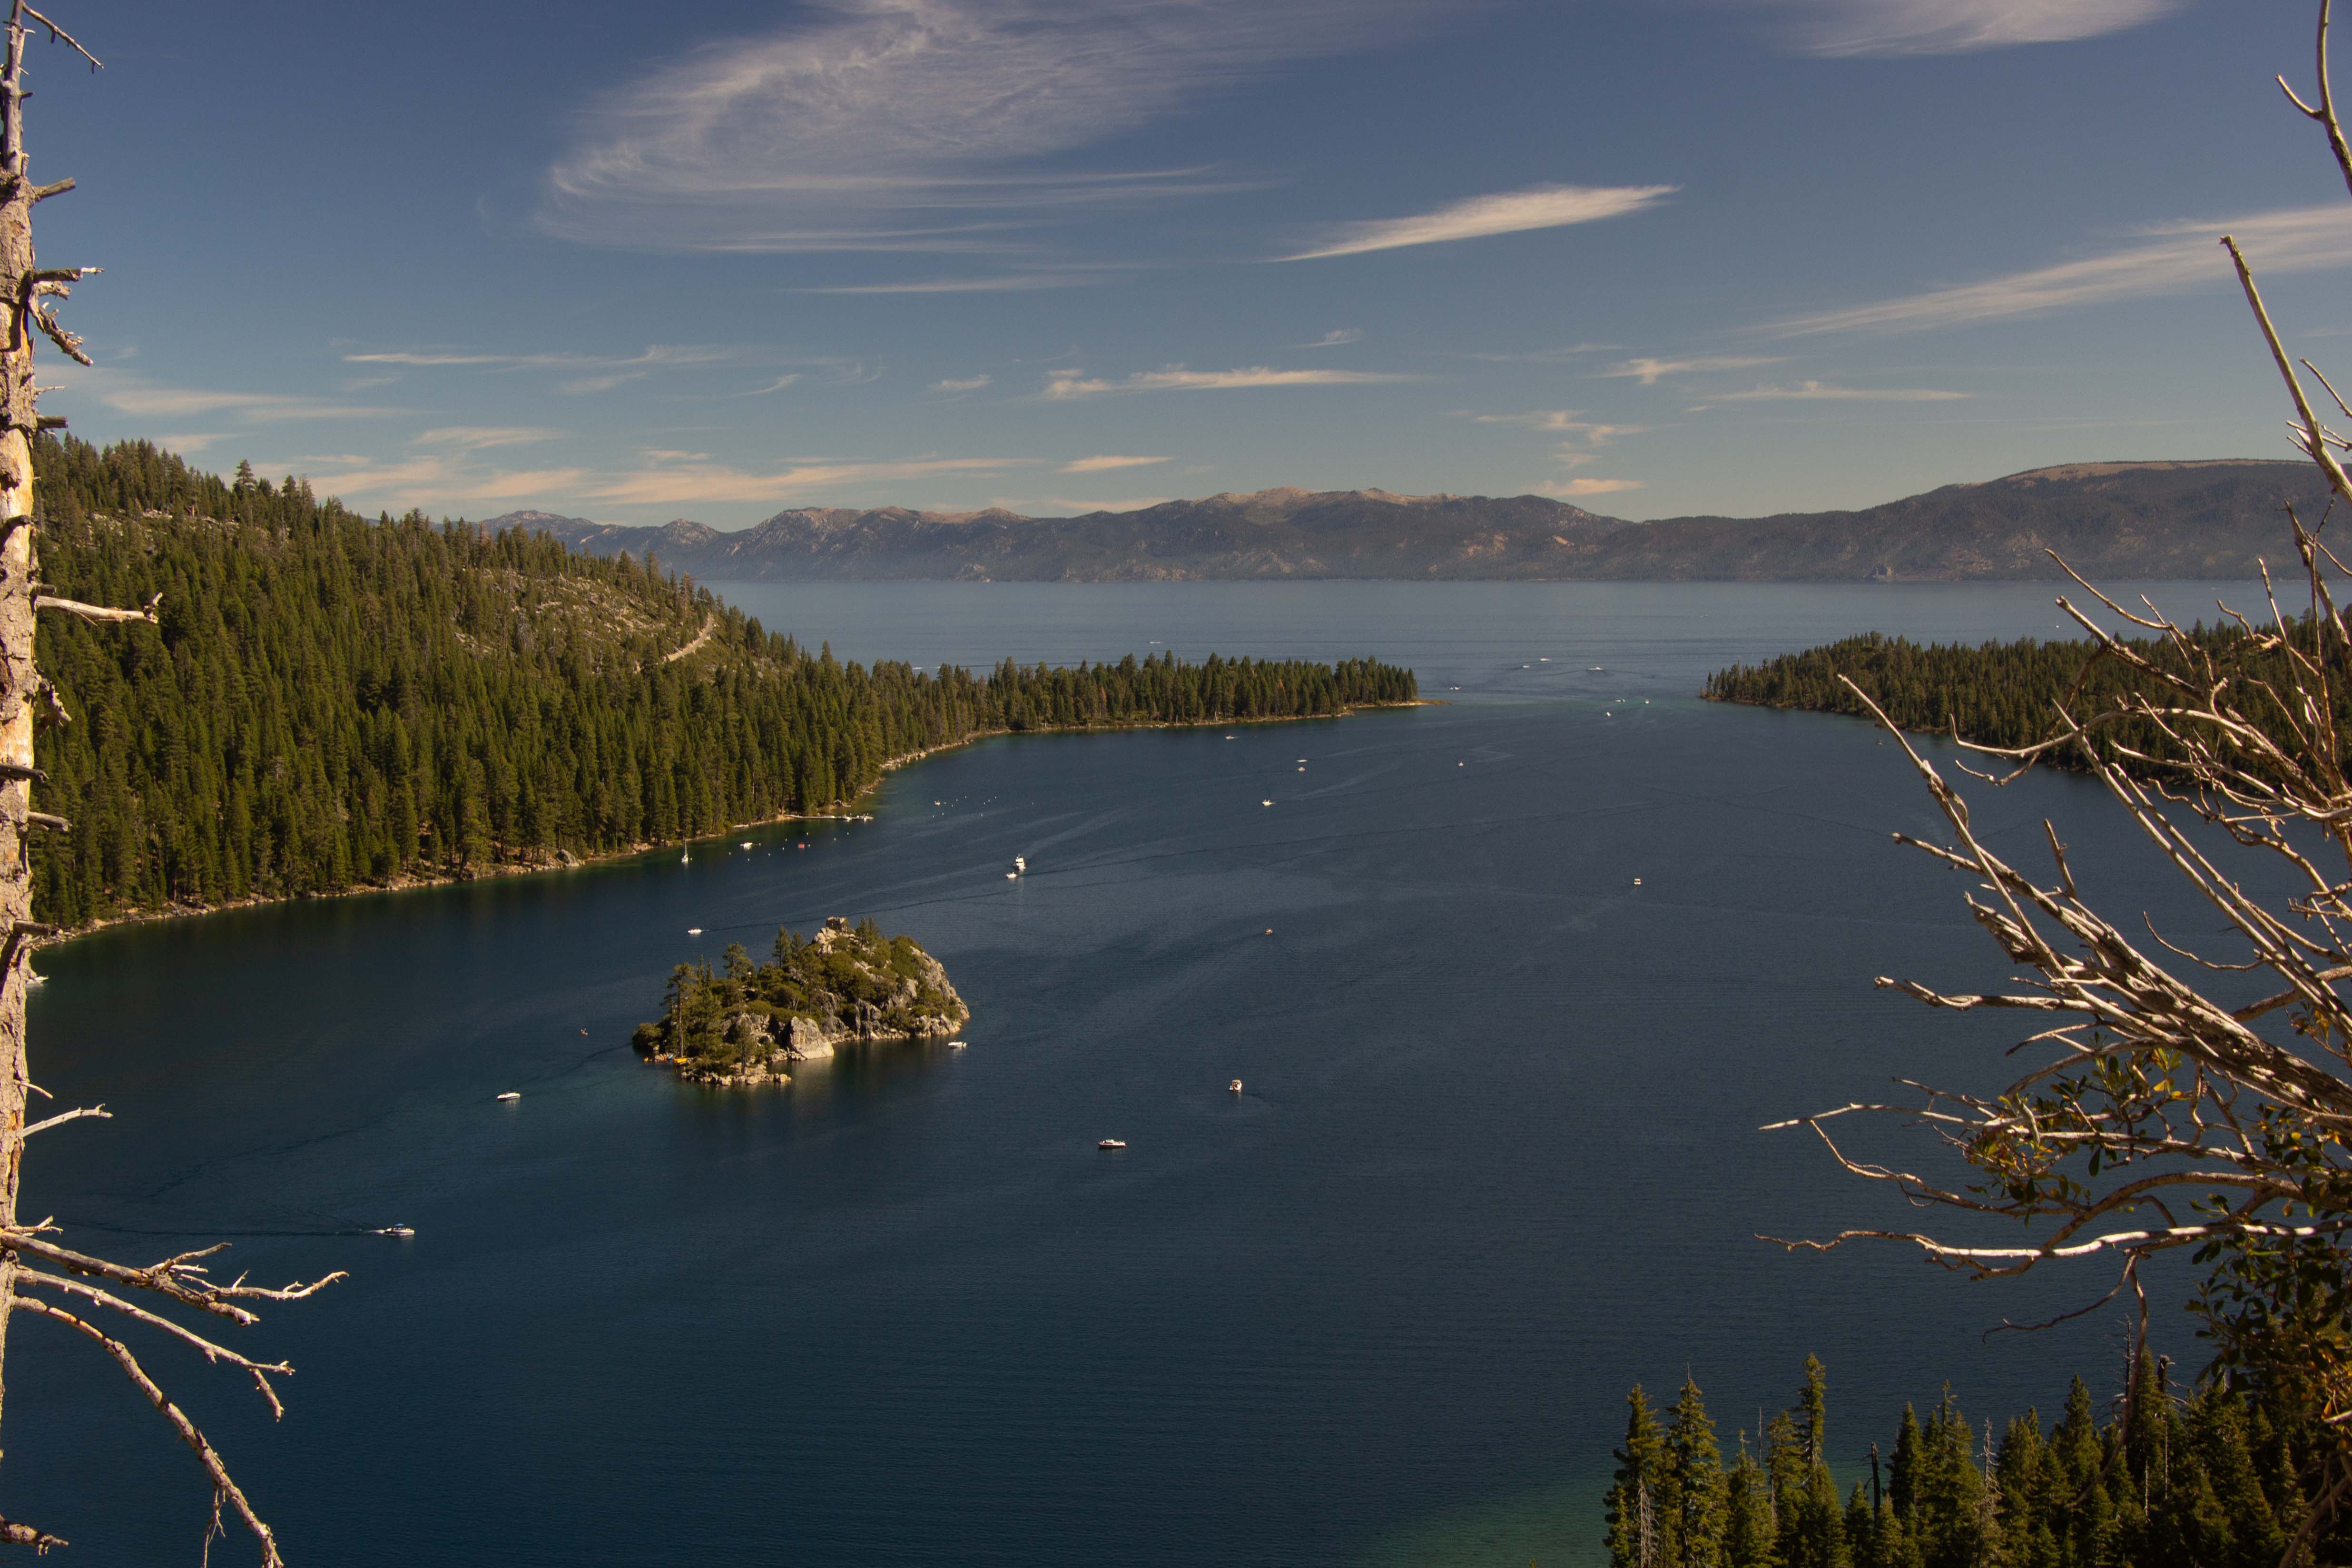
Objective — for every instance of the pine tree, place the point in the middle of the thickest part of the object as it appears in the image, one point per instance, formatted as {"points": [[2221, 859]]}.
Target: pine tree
{"points": [[1634, 1535], [1694, 1487]]}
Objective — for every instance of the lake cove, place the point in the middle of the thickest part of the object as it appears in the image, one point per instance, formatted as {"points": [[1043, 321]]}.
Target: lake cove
{"points": [[1495, 1159]]}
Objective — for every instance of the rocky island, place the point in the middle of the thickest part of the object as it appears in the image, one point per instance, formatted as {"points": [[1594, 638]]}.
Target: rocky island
{"points": [[750, 1023]]}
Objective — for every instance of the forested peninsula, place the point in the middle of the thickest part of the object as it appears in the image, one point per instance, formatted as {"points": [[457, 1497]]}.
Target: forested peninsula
{"points": [[1995, 694], [332, 703]]}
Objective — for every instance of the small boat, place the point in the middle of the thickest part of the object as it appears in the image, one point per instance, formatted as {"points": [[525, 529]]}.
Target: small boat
{"points": [[1265, 803], [511, 1094], [955, 1045], [395, 1230], [583, 1031], [694, 931], [1112, 1143], [1269, 930], [32, 978], [746, 844], [1019, 865], [1013, 875], [1235, 1086], [1637, 882], [684, 859], [1541, 659]]}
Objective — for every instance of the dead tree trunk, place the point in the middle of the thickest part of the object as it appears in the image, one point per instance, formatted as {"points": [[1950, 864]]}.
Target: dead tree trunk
{"points": [[20, 677], [34, 1271]]}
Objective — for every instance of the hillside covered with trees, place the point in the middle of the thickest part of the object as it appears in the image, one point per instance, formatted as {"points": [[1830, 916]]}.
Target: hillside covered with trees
{"points": [[334, 703], [1996, 694], [2217, 1479]]}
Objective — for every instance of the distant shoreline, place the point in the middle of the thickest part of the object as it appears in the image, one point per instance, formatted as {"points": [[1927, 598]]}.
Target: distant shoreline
{"points": [[580, 862]]}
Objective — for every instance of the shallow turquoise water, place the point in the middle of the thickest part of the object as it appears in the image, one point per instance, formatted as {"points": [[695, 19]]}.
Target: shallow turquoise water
{"points": [[1495, 1158]]}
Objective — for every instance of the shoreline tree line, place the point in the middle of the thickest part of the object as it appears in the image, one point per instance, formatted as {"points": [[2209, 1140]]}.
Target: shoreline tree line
{"points": [[2218, 1477], [332, 703], [2007, 694]]}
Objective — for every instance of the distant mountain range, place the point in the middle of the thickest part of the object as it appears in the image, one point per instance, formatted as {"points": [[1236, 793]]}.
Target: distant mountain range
{"points": [[2204, 519]]}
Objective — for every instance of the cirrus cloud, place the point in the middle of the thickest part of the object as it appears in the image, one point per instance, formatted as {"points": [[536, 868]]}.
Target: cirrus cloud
{"points": [[1105, 464], [922, 125], [1590, 487], [2166, 259], [1066, 384], [1511, 212], [1851, 28], [1821, 392]]}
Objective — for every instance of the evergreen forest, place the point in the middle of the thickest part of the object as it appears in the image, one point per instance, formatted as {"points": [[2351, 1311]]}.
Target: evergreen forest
{"points": [[332, 703], [1999, 694], [2214, 1478]]}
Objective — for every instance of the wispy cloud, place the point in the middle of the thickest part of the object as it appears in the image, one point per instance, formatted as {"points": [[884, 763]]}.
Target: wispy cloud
{"points": [[1334, 339], [1512, 212], [1549, 356], [670, 485], [962, 384], [480, 438], [1009, 283], [1176, 378], [2165, 260], [431, 480], [1648, 370], [778, 385], [1105, 464], [155, 400], [1955, 26], [653, 356], [1569, 422], [1068, 504], [1819, 392], [1590, 487], [921, 125]]}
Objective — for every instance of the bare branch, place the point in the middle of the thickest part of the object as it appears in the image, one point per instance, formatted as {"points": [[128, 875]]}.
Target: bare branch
{"points": [[63, 1117], [205, 1454], [101, 612]]}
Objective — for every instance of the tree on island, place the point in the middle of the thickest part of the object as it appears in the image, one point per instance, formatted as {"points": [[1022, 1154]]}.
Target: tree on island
{"points": [[38, 1275], [2181, 1099]]}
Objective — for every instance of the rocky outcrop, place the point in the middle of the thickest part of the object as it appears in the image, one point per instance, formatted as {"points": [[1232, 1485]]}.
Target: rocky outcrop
{"points": [[842, 989]]}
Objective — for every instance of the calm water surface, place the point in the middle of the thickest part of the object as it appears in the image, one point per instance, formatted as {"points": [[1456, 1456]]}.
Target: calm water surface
{"points": [[1495, 1159]]}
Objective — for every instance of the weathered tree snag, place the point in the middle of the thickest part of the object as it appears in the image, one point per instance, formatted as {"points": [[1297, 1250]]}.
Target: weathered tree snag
{"points": [[20, 677], [25, 696]]}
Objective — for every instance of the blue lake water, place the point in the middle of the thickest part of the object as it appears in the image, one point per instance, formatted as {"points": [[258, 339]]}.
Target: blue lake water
{"points": [[1495, 1158]]}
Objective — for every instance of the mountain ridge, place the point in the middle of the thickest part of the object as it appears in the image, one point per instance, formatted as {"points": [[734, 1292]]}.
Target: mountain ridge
{"points": [[2161, 517]]}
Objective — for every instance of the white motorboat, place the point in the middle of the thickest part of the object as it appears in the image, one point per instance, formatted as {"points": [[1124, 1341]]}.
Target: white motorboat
{"points": [[1020, 865], [396, 1230], [1112, 1143], [511, 1094], [1235, 1086], [694, 931]]}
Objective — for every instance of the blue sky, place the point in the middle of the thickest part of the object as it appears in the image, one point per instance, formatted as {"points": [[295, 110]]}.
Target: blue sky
{"points": [[1654, 257]]}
